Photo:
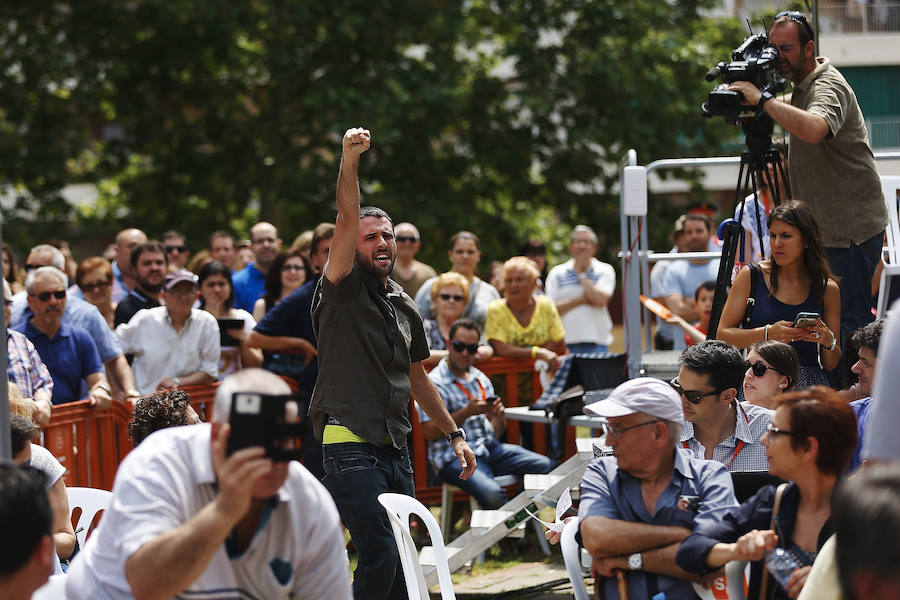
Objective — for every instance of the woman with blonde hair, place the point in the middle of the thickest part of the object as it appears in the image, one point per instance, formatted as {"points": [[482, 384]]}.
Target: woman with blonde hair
{"points": [[449, 296]]}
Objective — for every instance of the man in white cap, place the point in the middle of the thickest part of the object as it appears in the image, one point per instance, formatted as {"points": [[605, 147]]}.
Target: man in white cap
{"points": [[638, 506], [175, 344]]}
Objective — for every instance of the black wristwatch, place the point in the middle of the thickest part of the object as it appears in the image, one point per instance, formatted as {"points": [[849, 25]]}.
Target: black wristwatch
{"points": [[459, 433], [765, 97]]}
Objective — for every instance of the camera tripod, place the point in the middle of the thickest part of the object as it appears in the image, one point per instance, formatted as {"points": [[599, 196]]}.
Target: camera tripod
{"points": [[756, 162]]}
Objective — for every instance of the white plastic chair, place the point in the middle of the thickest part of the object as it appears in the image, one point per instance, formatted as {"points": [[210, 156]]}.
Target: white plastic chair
{"points": [[91, 501], [890, 258], [399, 507], [572, 557], [54, 589]]}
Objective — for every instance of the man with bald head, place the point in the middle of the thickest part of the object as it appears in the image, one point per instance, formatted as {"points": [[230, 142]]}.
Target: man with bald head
{"points": [[68, 351], [250, 281], [409, 272], [123, 273]]}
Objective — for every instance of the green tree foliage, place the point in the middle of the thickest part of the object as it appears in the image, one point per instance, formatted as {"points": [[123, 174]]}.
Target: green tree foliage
{"points": [[504, 117]]}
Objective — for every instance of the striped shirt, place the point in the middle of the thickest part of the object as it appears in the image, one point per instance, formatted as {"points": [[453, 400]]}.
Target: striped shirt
{"points": [[742, 450], [24, 366]]}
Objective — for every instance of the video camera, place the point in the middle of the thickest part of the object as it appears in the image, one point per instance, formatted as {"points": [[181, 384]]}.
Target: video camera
{"points": [[755, 61], [270, 421]]}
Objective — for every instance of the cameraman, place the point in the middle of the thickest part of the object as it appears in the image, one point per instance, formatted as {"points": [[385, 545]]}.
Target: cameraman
{"points": [[188, 520], [831, 162]]}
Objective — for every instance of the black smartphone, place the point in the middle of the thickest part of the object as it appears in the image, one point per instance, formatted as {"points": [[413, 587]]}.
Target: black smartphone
{"points": [[265, 420], [225, 340], [806, 319]]}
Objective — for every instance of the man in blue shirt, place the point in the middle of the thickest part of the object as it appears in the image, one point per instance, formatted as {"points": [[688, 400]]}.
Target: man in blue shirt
{"points": [[866, 339], [67, 351], [469, 397], [637, 506], [79, 313], [250, 281]]}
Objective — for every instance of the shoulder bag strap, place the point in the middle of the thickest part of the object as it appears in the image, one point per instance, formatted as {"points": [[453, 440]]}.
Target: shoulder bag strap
{"points": [[765, 571]]}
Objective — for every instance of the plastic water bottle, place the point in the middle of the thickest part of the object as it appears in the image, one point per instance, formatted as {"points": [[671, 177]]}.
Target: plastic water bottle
{"points": [[781, 564]]}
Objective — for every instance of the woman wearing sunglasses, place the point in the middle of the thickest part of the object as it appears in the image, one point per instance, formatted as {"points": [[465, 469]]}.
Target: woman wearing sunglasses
{"points": [[794, 279], [809, 443], [771, 370], [94, 277], [449, 296]]}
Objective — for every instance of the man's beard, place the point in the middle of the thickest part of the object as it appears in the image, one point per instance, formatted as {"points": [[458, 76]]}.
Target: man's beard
{"points": [[369, 266], [153, 288]]}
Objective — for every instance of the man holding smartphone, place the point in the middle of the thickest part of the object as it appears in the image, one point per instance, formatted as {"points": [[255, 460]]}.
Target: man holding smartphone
{"points": [[371, 347], [470, 400], [190, 520]]}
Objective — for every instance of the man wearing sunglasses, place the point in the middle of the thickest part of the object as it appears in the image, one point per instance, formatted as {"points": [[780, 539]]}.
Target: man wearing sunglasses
{"points": [[470, 400], [409, 272], [831, 162], [176, 249], [68, 351], [718, 426], [638, 506]]}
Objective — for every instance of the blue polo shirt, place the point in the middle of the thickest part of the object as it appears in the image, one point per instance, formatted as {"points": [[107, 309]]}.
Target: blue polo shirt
{"points": [[608, 492], [290, 317], [249, 284], [70, 356]]}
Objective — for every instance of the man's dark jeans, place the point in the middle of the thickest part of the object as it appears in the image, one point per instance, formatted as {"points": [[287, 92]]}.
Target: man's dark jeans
{"points": [[356, 474], [855, 266]]}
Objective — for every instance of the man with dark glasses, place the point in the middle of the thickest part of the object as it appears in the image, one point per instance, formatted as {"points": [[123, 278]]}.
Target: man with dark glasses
{"points": [[718, 426], [470, 400], [68, 351], [831, 164], [177, 249], [638, 505], [409, 272]]}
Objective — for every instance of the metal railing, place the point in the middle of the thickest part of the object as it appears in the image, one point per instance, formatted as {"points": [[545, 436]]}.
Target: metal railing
{"points": [[884, 132], [853, 17]]}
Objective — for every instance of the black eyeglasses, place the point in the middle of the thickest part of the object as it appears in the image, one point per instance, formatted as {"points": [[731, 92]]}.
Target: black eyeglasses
{"points": [[692, 396], [463, 347], [776, 431], [800, 19], [178, 249], [292, 268], [45, 296], [759, 369], [403, 238], [90, 287], [453, 297], [618, 431]]}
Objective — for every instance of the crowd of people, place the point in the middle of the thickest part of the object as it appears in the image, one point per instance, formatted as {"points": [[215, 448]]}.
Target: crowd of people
{"points": [[357, 322]]}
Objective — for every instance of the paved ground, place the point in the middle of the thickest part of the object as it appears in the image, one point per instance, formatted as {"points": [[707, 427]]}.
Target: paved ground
{"points": [[527, 580]]}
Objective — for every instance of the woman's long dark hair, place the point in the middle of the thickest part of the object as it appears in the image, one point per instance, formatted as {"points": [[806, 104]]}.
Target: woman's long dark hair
{"points": [[273, 278], [211, 268], [798, 215]]}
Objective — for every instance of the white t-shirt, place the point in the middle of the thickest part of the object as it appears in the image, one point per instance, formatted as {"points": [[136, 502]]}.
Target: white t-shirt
{"points": [[46, 463], [297, 553], [748, 222], [584, 323]]}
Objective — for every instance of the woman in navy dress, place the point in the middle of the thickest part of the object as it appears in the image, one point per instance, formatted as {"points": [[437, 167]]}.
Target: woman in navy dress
{"points": [[794, 279]]}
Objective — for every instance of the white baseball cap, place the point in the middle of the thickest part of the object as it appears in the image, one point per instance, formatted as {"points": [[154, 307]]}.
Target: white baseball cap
{"points": [[648, 395]]}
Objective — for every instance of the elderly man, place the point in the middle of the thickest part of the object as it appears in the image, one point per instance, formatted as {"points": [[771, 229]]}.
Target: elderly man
{"points": [[177, 250], [286, 335], [25, 368], [150, 265], [638, 506], [581, 288], [409, 272], [469, 396], [67, 350], [250, 281], [192, 521], [718, 426], [175, 344], [27, 554], [832, 165], [81, 314], [363, 420]]}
